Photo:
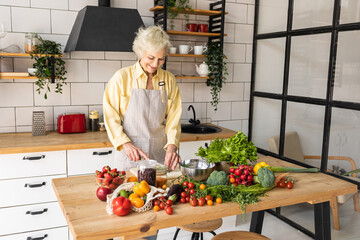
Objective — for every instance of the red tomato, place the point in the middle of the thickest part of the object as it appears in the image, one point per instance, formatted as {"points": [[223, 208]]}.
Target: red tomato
{"points": [[194, 202], [290, 185], [121, 206], [191, 185], [201, 201], [192, 191], [161, 205], [183, 194], [281, 184], [169, 203], [183, 200], [187, 199], [209, 197], [169, 210], [156, 202], [185, 184]]}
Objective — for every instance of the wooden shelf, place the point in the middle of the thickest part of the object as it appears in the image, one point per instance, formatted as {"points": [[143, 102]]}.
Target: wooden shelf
{"points": [[185, 55], [22, 55], [191, 77], [198, 34], [191, 11]]}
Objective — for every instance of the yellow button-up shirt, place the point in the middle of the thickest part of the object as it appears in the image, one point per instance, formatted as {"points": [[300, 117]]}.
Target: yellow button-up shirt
{"points": [[117, 96]]}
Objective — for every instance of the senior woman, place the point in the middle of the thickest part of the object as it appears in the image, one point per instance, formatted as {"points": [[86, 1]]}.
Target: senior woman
{"points": [[142, 105]]}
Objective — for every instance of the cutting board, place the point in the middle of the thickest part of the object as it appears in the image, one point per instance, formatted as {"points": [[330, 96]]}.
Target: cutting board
{"points": [[170, 175]]}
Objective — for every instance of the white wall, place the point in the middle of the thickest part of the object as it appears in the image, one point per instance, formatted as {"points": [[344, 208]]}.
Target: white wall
{"points": [[88, 72]]}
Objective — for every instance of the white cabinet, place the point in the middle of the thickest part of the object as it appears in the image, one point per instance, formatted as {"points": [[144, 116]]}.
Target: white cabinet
{"points": [[187, 150], [86, 161], [30, 203], [48, 234], [30, 218], [27, 191], [32, 164]]}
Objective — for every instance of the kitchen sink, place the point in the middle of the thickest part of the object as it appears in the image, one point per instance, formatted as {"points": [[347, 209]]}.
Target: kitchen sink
{"points": [[199, 129]]}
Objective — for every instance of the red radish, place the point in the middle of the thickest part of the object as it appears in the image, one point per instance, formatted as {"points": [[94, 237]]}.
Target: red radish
{"points": [[250, 169], [243, 177], [232, 170], [102, 192], [237, 180], [246, 172], [237, 172], [231, 176], [243, 183], [241, 167], [249, 178]]}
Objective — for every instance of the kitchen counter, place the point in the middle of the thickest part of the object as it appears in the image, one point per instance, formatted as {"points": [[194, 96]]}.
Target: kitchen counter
{"points": [[53, 141]]}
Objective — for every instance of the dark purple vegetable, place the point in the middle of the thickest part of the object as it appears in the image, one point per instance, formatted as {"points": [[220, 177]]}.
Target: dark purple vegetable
{"points": [[175, 189], [149, 175]]}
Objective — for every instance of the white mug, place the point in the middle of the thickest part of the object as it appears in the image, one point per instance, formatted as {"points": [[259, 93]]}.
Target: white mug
{"points": [[172, 50], [198, 50], [185, 49]]}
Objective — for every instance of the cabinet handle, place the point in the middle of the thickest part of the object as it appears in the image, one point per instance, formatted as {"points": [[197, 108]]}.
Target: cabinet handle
{"points": [[35, 185], [37, 212], [102, 153], [34, 158], [38, 238]]}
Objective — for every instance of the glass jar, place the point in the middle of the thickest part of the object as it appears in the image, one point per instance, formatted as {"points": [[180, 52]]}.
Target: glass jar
{"points": [[31, 39], [94, 121], [147, 171], [102, 127]]}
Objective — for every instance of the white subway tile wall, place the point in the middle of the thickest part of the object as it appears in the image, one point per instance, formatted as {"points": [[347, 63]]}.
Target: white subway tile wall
{"points": [[89, 72]]}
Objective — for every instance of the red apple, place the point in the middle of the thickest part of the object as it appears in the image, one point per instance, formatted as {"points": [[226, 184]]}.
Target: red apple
{"points": [[102, 192]]}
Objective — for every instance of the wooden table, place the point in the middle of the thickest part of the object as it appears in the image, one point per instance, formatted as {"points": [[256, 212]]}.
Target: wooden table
{"points": [[87, 218]]}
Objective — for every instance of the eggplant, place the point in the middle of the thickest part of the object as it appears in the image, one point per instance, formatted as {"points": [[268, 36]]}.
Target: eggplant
{"points": [[175, 189]]}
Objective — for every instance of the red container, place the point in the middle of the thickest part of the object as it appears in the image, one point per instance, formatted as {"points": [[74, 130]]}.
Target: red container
{"points": [[202, 27], [71, 123], [192, 27]]}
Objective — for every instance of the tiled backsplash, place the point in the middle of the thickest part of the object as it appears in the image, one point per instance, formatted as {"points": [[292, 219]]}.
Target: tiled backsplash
{"points": [[89, 72]]}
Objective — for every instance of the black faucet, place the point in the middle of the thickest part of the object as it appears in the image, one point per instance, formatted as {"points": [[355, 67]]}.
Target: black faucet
{"points": [[193, 121]]}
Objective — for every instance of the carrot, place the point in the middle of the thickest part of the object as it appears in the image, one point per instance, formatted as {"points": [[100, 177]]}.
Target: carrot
{"points": [[278, 178]]}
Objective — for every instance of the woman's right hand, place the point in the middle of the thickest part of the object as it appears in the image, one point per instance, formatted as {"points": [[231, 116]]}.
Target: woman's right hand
{"points": [[134, 153]]}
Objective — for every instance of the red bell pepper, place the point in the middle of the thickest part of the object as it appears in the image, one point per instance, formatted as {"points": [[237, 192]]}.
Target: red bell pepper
{"points": [[121, 206]]}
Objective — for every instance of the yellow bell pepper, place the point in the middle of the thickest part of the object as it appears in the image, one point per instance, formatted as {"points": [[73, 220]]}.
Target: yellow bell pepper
{"points": [[142, 189], [260, 165]]}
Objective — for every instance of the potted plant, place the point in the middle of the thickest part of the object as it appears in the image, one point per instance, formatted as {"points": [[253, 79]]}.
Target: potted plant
{"points": [[49, 66], [217, 70], [236, 150], [174, 7]]}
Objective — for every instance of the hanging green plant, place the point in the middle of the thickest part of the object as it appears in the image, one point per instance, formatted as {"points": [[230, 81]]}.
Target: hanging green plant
{"points": [[48, 54], [217, 70], [174, 7]]}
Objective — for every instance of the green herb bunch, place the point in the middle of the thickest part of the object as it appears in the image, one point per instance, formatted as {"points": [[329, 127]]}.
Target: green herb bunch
{"points": [[236, 149], [43, 54], [174, 7], [217, 70]]}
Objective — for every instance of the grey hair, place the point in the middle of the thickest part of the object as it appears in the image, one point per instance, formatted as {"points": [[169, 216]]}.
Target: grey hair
{"points": [[152, 38]]}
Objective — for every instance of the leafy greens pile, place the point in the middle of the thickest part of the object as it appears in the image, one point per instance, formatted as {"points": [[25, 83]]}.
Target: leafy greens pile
{"points": [[236, 149]]}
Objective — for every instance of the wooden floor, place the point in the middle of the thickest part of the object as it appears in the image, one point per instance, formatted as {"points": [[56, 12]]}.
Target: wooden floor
{"points": [[276, 229]]}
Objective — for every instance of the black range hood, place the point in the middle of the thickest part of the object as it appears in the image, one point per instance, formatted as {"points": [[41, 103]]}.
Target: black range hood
{"points": [[102, 28]]}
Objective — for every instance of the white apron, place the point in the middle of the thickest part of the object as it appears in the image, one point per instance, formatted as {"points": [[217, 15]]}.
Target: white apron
{"points": [[144, 124]]}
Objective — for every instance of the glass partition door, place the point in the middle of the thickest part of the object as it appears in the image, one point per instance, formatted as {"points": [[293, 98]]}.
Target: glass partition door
{"points": [[305, 91]]}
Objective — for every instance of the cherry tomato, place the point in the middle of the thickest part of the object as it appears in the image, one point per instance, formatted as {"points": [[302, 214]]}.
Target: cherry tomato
{"points": [[161, 205], [201, 201], [191, 185], [192, 191], [202, 186], [183, 195], [187, 199], [185, 184], [209, 202], [281, 184], [169, 210], [164, 186], [218, 200], [186, 190], [232, 180], [156, 208], [169, 202], [163, 199], [183, 200], [290, 185], [194, 202], [208, 197], [156, 203], [235, 184]]}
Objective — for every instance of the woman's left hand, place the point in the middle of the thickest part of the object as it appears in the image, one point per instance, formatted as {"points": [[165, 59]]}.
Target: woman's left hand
{"points": [[171, 157]]}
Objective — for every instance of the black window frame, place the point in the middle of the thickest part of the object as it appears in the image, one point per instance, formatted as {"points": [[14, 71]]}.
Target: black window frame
{"points": [[284, 97]]}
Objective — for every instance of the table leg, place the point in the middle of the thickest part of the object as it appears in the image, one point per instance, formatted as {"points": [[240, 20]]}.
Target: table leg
{"points": [[322, 221], [257, 219]]}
